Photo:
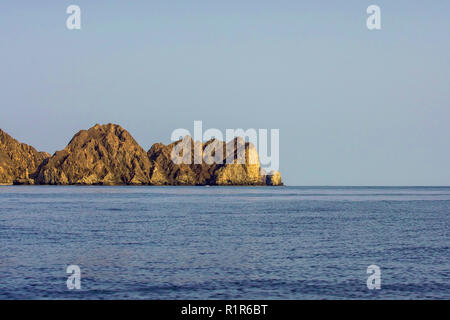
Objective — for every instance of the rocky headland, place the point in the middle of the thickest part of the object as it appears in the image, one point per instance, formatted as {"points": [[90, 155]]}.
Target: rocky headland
{"points": [[109, 155], [19, 163]]}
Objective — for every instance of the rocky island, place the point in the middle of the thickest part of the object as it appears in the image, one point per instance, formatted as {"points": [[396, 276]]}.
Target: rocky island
{"points": [[109, 155]]}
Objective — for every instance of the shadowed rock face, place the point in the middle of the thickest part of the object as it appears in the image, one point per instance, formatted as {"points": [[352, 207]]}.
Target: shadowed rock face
{"points": [[18, 161], [108, 155], [273, 179], [104, 155]]}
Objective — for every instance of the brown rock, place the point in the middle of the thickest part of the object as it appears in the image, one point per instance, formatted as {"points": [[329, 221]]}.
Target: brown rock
{"points": [[233, 163], [274, 179], [19, 162], [103, 155], [166, 172], [238, 173], [108, 155]]}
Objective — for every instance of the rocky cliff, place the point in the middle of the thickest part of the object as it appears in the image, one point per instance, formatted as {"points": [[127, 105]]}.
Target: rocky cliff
{"points": [[109, 155], [104, 155], [219, 163], [19, 162]]}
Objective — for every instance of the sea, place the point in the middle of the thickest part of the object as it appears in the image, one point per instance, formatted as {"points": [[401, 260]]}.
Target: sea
{"points": [[94, 242]]}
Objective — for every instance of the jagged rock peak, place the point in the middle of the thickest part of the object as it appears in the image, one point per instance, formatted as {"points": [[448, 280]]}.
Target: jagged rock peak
{"points": [[104, 155]]}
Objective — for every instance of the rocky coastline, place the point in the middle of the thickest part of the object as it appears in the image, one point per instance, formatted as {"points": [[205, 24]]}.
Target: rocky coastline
{"points": [[109, 155]]}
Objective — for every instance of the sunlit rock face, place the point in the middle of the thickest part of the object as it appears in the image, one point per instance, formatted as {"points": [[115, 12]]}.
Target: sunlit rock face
{"points": [[104, 155], [242, 167], [109, 155], [19, 162], [211, 163], [190, 169], [274, 179]]}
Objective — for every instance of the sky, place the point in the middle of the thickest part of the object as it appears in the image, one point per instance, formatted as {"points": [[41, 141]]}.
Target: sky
{"points": [[353, 106]]}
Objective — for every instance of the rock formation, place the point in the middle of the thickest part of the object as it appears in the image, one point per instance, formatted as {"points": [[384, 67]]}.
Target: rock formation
{"points": [[109, 155], [19, 162], [218, 163], [104, 155], [273, 179]]}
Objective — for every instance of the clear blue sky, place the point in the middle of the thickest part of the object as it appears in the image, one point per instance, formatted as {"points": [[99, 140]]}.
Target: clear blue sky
{"points": [[354, 107]]}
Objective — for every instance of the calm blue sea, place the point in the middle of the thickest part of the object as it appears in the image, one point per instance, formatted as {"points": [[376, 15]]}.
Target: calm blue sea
{"points": [[224, 242]]}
